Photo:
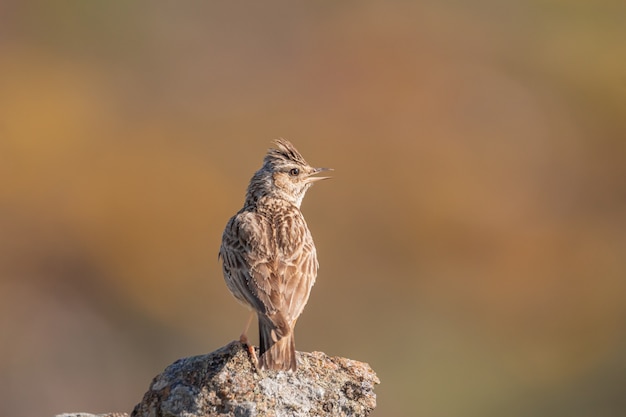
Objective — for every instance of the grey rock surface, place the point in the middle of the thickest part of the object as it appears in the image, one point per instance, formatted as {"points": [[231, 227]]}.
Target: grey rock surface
{"points": [[92, 415], [226, 383]]}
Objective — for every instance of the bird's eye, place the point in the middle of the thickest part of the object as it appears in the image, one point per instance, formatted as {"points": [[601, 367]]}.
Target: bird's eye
{"points": [[294, 171]]}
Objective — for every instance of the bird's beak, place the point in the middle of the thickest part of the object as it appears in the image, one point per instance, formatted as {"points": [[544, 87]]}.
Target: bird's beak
{"points": [[317, 171]]}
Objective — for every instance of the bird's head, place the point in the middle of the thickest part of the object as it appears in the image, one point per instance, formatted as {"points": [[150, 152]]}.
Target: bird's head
{"points": [[285, 174]]}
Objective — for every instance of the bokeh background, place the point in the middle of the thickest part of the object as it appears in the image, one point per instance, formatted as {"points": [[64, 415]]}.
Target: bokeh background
{"points": [[472, 242]]}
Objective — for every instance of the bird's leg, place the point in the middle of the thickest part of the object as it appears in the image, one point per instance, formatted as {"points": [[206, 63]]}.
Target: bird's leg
{"points": [[244, 340], [244, 337]]}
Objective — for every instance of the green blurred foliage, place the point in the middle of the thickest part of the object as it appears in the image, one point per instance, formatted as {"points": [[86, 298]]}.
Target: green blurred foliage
{"points": [[472, 243]]}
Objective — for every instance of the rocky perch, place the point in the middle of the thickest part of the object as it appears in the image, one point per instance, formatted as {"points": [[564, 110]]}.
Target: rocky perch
{"points": [[226, 383]]}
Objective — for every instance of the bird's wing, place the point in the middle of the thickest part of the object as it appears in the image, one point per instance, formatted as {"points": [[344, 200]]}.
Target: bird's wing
{"points": [[296, 264], [244, 248]]}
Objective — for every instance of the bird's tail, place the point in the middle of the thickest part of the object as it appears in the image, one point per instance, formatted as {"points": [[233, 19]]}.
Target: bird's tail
{"points": [[277, 351]]}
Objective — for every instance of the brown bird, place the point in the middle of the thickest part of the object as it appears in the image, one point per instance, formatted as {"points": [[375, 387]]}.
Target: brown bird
{"points": [[268, 256]]}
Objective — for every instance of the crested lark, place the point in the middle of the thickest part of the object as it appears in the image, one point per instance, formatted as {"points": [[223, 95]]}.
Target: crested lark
{"points": [[268, 256]]}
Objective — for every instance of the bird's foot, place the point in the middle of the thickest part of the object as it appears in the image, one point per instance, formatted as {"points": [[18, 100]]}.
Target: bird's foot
{"points": [[244, 341]]}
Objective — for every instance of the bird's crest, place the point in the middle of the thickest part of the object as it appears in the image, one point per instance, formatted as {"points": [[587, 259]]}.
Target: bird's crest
{"points": [[285, 153]]}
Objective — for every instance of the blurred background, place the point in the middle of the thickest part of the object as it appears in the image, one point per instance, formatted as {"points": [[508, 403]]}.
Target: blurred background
{"points": [[472, 242]]}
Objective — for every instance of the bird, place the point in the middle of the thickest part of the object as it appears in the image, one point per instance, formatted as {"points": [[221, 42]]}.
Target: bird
{"points": [[268, 255]]}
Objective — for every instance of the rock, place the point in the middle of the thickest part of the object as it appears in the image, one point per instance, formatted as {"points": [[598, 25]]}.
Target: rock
{"points": [[225, 383], [92, 415]]}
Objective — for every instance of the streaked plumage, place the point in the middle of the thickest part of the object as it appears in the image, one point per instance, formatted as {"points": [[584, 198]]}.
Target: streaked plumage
{"points": [[268, 254]]}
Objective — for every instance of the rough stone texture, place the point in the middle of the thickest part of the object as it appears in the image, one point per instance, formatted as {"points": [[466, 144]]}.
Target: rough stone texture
{"points": [[225, 383], [92, 415]]}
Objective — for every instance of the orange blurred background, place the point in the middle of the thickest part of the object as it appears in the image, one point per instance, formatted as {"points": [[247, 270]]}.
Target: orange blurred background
{"points": [[472, 242]]}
